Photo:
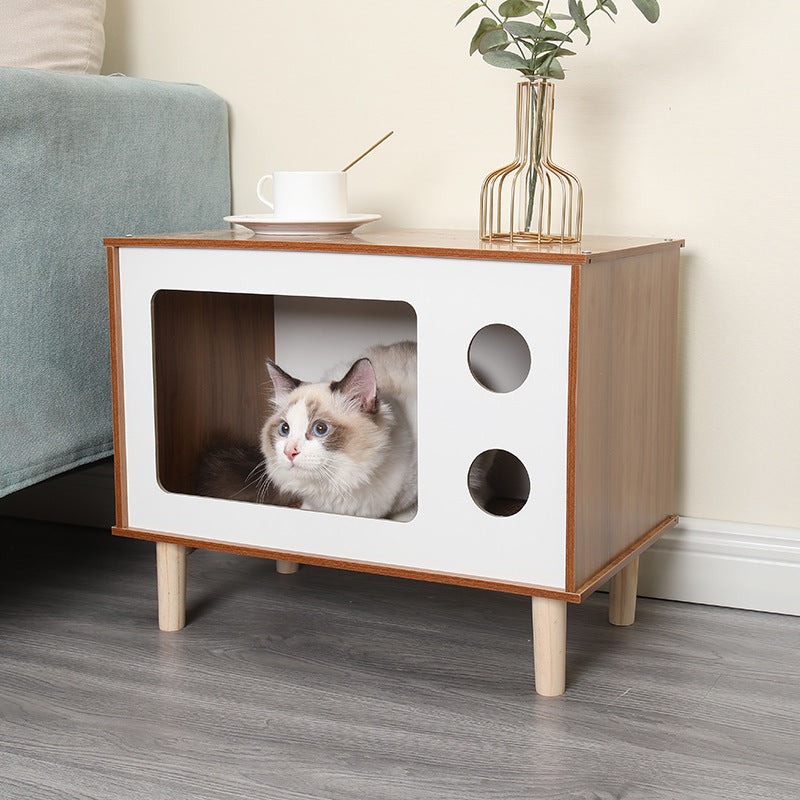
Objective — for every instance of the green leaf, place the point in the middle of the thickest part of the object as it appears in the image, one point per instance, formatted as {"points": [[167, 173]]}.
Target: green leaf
{"points": [[528, 31], [473, 7], [649, 8], [544, 60], [517, 8], [492, 40], [505, 60], [555, 36], [484, 26], [545, 49], [554, 70], [525, 29], [579, 15], [608, 5]]}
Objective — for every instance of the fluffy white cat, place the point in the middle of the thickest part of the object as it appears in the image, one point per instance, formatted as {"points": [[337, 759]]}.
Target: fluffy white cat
{"points": [[348, 445]]}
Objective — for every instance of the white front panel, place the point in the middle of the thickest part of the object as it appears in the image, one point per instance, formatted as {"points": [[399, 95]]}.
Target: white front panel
{"points": [[458, 418]]}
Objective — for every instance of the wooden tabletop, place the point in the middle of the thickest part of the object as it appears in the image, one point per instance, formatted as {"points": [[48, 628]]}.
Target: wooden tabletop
{"points": [[416, 242]]}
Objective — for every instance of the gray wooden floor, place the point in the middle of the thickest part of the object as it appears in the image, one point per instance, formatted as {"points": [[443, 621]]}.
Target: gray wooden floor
{"points": [[329, 684]]}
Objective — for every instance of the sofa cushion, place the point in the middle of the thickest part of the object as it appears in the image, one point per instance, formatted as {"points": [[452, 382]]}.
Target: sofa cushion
{"points": [[64, 35]]}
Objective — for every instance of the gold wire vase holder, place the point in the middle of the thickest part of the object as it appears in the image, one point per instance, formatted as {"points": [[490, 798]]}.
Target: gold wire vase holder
{"points": [[532, 199]]}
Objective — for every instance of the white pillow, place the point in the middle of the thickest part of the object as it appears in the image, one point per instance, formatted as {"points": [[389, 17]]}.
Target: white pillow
{"points": [[64, 35]]}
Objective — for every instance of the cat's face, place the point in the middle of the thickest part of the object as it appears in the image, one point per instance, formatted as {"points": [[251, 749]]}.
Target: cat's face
{"points": [[324, 438]]}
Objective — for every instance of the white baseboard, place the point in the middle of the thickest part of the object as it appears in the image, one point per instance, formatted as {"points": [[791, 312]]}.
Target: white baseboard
{"points": [[730, 564]]}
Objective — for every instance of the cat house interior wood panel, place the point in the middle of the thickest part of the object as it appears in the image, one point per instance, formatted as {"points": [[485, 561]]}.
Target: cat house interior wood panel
{"points": [[190, 407], [559, 358]]}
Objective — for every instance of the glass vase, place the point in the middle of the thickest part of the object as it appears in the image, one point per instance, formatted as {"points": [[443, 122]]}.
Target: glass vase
{"points": [[532, 199]]}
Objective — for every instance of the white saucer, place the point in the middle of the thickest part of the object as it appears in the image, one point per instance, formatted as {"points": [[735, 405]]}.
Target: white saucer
{"points": [[268, 225]]}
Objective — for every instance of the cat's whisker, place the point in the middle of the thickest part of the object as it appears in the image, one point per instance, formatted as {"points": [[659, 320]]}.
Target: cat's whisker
{"points": [[265, 483], [253, 475], [332, 478], [253, 478]]}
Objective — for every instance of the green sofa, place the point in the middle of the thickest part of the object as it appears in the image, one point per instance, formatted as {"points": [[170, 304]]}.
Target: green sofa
{"points": [[83, 157]]}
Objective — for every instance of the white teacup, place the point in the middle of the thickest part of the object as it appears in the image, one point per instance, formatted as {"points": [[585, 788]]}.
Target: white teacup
{"points": [[311, 195]]}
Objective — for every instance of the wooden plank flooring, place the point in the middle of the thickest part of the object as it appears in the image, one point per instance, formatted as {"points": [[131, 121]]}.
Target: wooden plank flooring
{"points": [[338, 686]]}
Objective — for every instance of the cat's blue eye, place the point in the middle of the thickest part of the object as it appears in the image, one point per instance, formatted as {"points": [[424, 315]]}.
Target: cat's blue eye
{"points": [[320, 428], [283, 429]]}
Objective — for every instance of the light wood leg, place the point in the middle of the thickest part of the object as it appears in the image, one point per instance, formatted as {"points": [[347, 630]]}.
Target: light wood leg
{"points": [[549, 645], [171, 569], [286, 567], [622, 595]]}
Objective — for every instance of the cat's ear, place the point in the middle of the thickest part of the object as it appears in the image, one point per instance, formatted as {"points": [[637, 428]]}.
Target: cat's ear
{"points": [[360, 385], [282, 383]]}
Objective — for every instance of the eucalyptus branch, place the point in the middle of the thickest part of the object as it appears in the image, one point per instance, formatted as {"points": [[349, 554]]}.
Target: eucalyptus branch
{"points": [[502, 22], [517, 40], [544, 41], [486, 5], [535, 50]]}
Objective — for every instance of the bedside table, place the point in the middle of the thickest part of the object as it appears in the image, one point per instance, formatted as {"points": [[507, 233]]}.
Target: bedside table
{"points": [[559, 360]]}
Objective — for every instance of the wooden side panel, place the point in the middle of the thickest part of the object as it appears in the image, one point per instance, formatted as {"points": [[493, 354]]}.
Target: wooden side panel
{"points": [[209, 352], [625, 406], [120, 476], [572, 391]]}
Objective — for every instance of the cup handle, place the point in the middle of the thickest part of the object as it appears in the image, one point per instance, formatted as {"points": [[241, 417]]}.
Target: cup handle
{"points": [[261, 197]]}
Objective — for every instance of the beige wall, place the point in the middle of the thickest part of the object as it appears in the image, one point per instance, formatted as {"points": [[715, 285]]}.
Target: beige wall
{"points": [[685, 129]]}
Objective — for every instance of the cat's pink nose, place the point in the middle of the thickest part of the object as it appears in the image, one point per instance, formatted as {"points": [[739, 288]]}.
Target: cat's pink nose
{"points": [[291, 451]]}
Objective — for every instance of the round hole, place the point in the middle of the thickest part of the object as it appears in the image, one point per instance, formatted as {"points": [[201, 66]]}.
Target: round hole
{"points": [[499, 358], [499, 483]]}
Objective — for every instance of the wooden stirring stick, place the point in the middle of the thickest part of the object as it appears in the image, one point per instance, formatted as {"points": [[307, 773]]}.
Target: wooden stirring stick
{"points": [[366, 152]]}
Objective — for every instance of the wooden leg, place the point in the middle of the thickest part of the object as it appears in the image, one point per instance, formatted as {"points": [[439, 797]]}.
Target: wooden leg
{"points": [[549, 645], [171, 569], [622, 596], [286, 567]]}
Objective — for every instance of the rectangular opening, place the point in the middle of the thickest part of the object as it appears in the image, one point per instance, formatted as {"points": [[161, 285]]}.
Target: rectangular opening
{"points": [[212, 387]]}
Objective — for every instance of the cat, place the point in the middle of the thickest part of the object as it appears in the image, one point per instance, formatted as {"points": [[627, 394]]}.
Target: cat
{"points": [[347, 445]]}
